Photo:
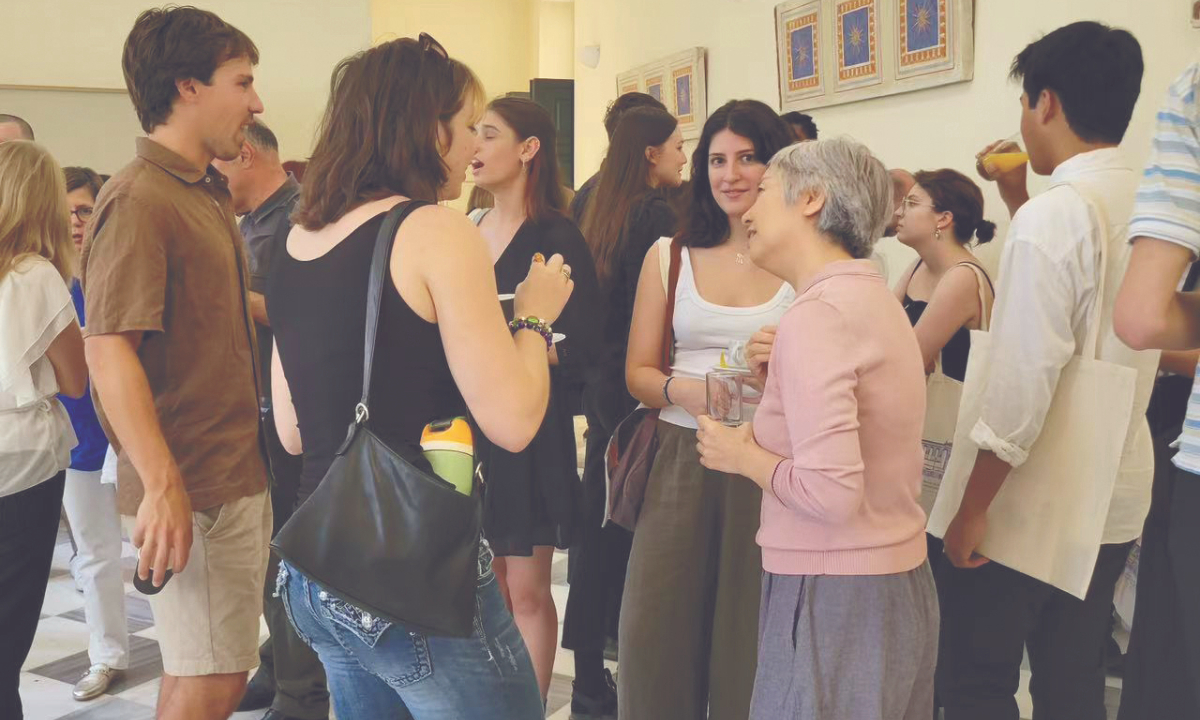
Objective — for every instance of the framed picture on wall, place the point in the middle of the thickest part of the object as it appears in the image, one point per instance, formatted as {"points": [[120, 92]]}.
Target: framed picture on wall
{"points": [[865, 49], [679, 82], [654, 87], [629, 82], [923, 43], [856, 30], [798, 47], [684, 110]]}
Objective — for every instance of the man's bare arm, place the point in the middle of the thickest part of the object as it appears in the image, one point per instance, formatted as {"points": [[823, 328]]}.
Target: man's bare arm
{"points": [[164, 519], [258, 309]]}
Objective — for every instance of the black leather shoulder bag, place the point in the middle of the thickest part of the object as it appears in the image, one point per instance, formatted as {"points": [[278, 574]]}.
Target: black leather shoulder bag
{"points": [[382, 531]]}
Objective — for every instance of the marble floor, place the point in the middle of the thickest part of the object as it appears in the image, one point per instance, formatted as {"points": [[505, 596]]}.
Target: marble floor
{"points": [[59, 656]]}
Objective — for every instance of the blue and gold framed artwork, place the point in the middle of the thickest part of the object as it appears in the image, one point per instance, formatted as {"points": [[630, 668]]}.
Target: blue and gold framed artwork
{"points": [[924, 40], [799, 45], [682, 80], [677, 81], [654, 87], [832, 52], [857, 34]]}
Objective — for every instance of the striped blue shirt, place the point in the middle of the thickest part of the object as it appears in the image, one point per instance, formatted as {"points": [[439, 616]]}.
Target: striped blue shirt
{"points": [[1168, 208]]}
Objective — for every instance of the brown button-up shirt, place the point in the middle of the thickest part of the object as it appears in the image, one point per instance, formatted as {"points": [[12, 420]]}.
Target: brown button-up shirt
{"points": [[164, 257]]}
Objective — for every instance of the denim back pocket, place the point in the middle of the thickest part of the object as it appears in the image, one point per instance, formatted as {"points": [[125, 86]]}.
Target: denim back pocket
{"points": [[362, 624]]}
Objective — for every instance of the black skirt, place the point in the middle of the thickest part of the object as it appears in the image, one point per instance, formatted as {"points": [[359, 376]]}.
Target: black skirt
{"points": [[533, 497]]}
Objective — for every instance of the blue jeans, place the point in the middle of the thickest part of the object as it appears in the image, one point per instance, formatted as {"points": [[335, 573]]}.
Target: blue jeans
{"points": [[381, 671]]}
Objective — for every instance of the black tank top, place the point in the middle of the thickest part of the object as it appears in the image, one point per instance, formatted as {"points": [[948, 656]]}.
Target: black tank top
{"points": [[958, 349], [318, 311]]}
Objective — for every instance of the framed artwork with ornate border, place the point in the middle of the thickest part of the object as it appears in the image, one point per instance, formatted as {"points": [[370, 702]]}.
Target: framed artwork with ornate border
{"points": [[857, 33], [864, 49], [654, 87], [798, 36], [679, 81], [629, 82], [923, 45]]}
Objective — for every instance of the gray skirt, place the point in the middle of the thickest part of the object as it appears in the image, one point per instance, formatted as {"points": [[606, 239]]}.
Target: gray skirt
{"points": [[836, 647]]}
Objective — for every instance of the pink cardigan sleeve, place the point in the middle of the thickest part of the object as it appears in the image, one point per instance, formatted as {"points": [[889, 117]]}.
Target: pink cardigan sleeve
{"points": [[816, 363]]}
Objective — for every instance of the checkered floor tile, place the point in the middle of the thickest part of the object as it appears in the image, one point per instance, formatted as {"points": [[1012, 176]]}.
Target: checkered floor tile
{"points": [[59, 655]]}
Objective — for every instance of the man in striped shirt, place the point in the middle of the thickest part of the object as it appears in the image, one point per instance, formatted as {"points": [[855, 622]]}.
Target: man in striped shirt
{"points": [[1162, 671]]}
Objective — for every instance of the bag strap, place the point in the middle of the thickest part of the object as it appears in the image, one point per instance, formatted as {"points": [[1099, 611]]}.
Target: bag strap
{"points": [[1091, 344], [673, 269], [379, 267], [981, 278]]}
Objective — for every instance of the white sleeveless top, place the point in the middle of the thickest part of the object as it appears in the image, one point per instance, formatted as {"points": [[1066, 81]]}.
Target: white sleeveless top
{"points": [[704, 330]]}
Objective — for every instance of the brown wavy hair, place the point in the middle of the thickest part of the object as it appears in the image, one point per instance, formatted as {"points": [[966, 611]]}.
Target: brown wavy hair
{"points": [[379, 134], [176, 43], [624, 181], [543, 187], [33, 209]]}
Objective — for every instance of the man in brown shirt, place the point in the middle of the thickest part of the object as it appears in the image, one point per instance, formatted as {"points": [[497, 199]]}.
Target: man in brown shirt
{"points": [[171, 346]]}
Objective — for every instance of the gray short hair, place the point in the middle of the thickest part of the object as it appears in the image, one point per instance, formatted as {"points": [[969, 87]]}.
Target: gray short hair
{"points": [[261, 137], [856, 187]]}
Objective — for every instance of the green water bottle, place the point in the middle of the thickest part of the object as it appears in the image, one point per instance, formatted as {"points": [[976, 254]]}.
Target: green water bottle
{"points": [[450, 448]]}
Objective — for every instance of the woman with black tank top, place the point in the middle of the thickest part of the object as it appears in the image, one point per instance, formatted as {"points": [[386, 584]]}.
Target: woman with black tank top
{"points": [[399, 125], [939, 218], [942, 292]]}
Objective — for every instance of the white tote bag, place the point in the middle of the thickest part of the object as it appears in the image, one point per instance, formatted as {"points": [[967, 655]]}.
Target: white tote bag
{"points": [[943, 397], [1048, 519]]}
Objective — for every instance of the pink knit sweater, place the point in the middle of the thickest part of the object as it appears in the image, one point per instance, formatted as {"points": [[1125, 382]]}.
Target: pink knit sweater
{"points": [[844, 405]]}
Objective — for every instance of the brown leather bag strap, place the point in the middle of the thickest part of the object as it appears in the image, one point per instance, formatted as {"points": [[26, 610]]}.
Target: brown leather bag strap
{"points": [[668, 344]]}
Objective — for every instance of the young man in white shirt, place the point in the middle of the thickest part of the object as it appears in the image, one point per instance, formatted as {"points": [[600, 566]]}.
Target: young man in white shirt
{"points": [[1162, 672], [1081, 83]]}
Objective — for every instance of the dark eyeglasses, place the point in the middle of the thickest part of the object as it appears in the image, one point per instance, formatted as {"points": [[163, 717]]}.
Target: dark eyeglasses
{"points": [[83, 213], [429, 45]]}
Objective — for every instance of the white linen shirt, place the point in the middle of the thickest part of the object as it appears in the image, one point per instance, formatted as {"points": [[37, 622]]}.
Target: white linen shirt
{"points": [[36, 437], [1045, 299]]}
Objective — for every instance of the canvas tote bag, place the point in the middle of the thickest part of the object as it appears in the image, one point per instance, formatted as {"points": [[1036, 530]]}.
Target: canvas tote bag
{"points": [[1048, 518], [943, 397]]}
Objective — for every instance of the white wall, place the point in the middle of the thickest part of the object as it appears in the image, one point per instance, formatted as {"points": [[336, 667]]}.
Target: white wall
{"points": [[73, 44], [943, 127], [496, 38], [556, 39]]}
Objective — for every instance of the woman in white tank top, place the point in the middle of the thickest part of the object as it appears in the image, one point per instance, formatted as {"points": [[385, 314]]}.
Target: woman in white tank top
{"points": [[689, 617]]}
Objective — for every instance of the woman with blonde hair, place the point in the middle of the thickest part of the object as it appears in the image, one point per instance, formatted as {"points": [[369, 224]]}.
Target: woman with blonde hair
{"points": [[41, 355]]}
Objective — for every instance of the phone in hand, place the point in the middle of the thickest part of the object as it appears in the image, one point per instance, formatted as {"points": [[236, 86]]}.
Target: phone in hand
{"points": [[147, 586]]}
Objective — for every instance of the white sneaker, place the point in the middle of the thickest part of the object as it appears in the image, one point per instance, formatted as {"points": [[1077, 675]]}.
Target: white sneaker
{"points": [[94, 682]]}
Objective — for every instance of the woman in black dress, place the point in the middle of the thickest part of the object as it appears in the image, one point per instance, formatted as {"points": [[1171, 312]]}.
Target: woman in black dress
{"points": [[531, 498]]}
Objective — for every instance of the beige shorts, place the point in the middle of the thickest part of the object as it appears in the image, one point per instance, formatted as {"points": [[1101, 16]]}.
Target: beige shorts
{"points": [[207, 617]]}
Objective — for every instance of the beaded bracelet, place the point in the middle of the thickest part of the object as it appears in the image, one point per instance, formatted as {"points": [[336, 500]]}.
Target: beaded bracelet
{"points": [[539, 326]]}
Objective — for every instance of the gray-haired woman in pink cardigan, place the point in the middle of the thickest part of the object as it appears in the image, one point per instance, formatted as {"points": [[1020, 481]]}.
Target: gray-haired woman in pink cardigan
{"points": [[849, 621]]}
